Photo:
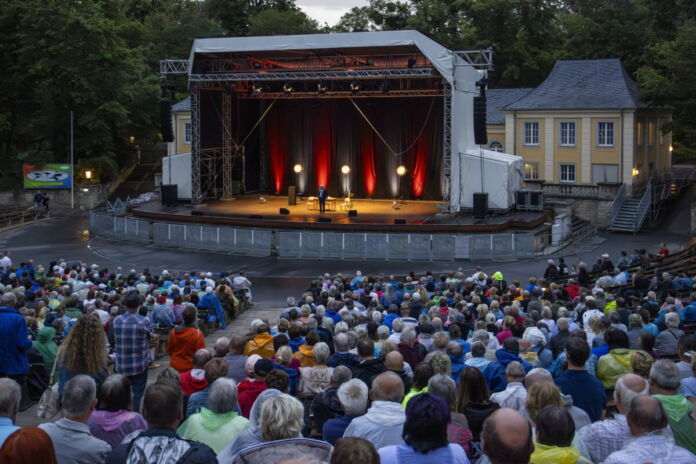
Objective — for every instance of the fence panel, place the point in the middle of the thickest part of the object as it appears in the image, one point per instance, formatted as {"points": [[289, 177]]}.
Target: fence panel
{"points": [[524, 245], [502, 246], [194, 239], [311, 245], [333, 246], [354, 246], [376, 246], [443, 247], [261, 245], [420, 248], [289, 245], [461, 247]]}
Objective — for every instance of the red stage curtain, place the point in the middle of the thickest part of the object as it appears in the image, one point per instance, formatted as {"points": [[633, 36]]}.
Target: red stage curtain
{"points": [[277, 143], [367, 159], [322, 144], [419, 158]]}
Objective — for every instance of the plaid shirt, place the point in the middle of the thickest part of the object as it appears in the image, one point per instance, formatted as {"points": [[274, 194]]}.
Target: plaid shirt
{"points": [[654, 448], [604, 437], [132, 334]]}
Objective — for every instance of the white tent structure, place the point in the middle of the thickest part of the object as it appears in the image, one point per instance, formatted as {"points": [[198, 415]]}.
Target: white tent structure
{"points": [[467, 168]]}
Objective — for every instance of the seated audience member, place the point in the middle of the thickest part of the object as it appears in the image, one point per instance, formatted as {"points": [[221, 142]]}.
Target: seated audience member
{"points": [[79, 400], [10, 397], [587, 392], [236, 359], [688, 385], [183, 342], [28, 445], [394, 362], [666, 343], [383, 423], [354, 450], [647, 421], [495, 371], [514, 394], [559, 340], [221, 347], [353, 397], [215, 368], [407, 340], [326, 405], [261, 344], [617, 362], [686, 352], [425, 435], [458, 431], [506, 438], [317, 378], [279, 380], [218, 423], [252, 435], [473, 400], [194, 380], [602, 438], [252, 387], [342, 355], [163, 409], [283, 361], [114, 417], [539, 374], [477, 359], [555, 430], [369, 367], [421, 375], [304, 352], [664, 385]]}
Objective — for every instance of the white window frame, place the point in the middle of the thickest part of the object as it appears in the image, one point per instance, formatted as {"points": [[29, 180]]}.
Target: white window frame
{"points": [[188, 132], [535, 166], [560, 173], [568, 142], [531, 124], [606, 137], [496, 141]]}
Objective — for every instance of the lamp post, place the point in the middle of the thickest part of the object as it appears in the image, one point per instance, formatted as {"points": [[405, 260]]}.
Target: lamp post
{"points": [[401, 172], [345, 169], [297, 169]]}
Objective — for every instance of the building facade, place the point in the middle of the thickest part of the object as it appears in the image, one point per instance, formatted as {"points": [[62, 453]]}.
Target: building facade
{"points": [[181, 125]]}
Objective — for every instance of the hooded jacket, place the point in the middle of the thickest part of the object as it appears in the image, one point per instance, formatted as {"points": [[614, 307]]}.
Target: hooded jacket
{"points": [[113, 427], [544, 454], [192, 381], [161, 446], [13, 342], [182, 343], [457, 366], [248, 391], [343, 359], [495, 371], [678, 409], [613, 365], [213, 429], [262, 344], [382, 425], [295, 343], [305, 356], [367, 370]]}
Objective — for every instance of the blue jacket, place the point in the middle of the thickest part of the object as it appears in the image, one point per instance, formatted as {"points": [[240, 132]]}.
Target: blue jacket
{"points": [[14, 341], [333, 315], [389, 320], [211, 301], [688, 313], [495, 371], [457, 366], [294, 377], [295, 343]]}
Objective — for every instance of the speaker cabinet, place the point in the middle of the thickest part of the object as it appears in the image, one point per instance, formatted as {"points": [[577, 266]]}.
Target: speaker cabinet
{"points": [[170, 194], [480, 205], [166, 121], [353, 213], [196, 212], [480, 134], [324, 219], [284, 211], [399, 221], [292, 195]]}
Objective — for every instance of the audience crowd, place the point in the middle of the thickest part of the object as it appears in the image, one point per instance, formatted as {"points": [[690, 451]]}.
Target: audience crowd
{"points": [[599, 367]]}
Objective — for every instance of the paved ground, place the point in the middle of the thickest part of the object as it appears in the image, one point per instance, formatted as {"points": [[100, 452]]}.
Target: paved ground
{"points": [[65, 236]]}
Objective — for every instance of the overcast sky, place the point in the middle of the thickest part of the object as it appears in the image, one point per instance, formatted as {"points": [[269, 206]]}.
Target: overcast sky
{"points": [[328, 11]]}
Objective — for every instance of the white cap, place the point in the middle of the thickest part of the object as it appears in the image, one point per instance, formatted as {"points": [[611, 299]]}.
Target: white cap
{"points": [[210, 274]]}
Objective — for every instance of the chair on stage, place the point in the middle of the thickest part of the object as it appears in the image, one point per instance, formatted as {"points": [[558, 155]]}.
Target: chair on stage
{"points": [[311, 203], [346, 205]]}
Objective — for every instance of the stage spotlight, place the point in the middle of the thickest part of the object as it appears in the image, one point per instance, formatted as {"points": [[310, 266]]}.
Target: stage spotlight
{"points": [[321, 88], [401, 170], [297, 168], [255, 89], [345, 169], [411, 62], [354, 87], [288, 89]]}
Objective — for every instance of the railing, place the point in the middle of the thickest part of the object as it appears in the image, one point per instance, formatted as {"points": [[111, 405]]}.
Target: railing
{"points": [[617, 203], [643, 207], [597, 192]]}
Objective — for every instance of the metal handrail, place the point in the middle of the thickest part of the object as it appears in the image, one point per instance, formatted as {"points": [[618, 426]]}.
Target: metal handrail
{"points": [[617, 203], [643, 206]]}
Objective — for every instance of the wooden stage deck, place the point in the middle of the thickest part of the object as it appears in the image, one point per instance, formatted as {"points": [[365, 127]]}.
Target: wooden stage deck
{"points": [[372, 215]]}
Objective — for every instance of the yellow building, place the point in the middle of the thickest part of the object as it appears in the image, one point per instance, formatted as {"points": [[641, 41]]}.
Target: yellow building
{"points": [[583, 125], [181, 125]]}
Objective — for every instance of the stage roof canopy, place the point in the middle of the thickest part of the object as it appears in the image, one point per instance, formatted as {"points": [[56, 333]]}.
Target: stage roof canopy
{"points": [[383, 42]]}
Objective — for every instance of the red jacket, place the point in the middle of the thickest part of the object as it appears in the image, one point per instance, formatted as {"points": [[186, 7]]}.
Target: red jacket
{"points": [[189, 385], [247, 392]]}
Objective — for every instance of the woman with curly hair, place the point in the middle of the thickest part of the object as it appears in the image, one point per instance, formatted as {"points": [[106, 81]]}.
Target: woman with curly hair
{"points": [[83, 352]]}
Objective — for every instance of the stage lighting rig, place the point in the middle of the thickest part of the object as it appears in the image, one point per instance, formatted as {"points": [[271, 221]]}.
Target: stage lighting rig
{"points": [[354, 87], [321, 88], [411, 62], [401, 170], [288, 89], [255, 89]]}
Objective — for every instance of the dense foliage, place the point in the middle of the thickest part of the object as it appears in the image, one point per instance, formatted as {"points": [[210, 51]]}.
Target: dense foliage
{"points": [[99, 58]]}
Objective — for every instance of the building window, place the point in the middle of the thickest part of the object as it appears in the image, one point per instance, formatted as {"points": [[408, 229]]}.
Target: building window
{"points": [[605, 173], [531, 171], [605, 133], [187, 133], [639, 134], [568, 134], [531, 133], [495, 146], [567, 172], [651, 133]]}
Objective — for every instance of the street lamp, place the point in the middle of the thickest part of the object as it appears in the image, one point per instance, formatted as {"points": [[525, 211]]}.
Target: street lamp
{"points": [[88, 174]]}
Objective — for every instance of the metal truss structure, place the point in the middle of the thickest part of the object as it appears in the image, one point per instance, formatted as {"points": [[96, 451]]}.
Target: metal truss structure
{"points": [[313, 75], [227, 142], [480, 59], [447, 141], [169, 67], [345, 94], [196, 195]]}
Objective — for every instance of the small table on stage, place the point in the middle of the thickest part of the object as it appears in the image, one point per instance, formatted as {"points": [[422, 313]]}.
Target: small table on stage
{"points": [[313, 204]]}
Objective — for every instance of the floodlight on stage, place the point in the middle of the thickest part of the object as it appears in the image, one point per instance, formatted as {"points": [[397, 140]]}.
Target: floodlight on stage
{"points": [[354, 87], [401, 170], [297, 168], [287, 89], [345, 169], [321, 88], [255, 89]]}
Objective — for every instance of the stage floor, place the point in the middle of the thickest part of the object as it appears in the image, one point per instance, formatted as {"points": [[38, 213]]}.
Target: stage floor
{"points": [[372, 214]]}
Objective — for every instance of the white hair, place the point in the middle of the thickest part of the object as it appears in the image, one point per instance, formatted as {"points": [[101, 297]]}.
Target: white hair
{"points": [[10, 396], [672, 320], [222, 396], [408, 335], [382, 332], [282, 417], [353, 396], [376, 316], [625, 395], [398, 325], [341, 327], [78, 394], [321, 353]]}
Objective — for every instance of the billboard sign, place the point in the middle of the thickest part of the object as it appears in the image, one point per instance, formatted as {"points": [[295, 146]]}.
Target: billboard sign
{"points": [[48, 176]]}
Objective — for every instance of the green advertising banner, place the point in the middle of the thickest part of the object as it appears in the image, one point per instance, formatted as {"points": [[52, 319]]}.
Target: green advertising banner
{"points": [[48, 176]]}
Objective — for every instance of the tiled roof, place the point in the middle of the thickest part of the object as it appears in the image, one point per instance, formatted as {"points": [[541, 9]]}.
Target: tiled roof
{"points": [[183, 105], [582, 85], [497, 99]]}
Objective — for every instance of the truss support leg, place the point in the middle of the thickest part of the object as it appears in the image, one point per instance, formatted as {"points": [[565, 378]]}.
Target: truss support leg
{"points": [[227, 142], [196, 195], [447, 146]]}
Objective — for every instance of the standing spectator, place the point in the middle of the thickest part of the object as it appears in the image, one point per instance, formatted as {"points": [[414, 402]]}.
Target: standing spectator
{"points": [[14, 341], [132, 333], [507, 437], [353, 397], [6, 261], [163, 411], [79, 400], [664, 385], [587, 392], [458, 428], [114, 417], [252, 387], [383, 423], [10, 397], [474, 400], [84, 352], [514, 394], [647, 421], [666, 343], [184, 341], [236, 358], [28, 445], [602, 438]]}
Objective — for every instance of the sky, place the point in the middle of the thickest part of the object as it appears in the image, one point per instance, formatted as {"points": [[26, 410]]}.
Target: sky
{"points": [[328, 11]]}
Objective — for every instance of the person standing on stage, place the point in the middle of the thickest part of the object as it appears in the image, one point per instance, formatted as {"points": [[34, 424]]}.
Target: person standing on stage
{"points": [[323, 194]]}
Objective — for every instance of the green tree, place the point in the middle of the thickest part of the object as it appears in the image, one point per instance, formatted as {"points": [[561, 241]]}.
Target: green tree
{"points": [[281, 22], [379, 15]]}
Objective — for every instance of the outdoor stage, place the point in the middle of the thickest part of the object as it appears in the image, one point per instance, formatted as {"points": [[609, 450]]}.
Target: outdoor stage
{"points": [[372, 215]]}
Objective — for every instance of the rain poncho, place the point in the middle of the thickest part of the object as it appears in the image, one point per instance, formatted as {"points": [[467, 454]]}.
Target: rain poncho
{"points": [[214, 429]]}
